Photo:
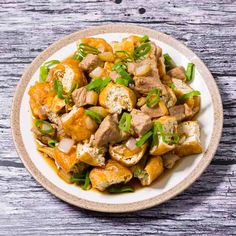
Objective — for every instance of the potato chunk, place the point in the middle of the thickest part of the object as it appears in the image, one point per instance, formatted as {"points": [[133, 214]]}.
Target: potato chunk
{"points": [[78, 125], [113, 173]]}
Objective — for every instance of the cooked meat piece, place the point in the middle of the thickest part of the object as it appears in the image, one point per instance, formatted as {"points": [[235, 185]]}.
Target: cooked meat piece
{"points": [[154, 168], [169, 124], [82, 97], [126, 156], [113, 173], [108, 132], [178, 73], [191, 144], [90, 62], [141, 122], [114, 75], [145, 84], [89, 154], [157, 111], [181, 112], [78, 125], [116, 97], [169, 159], [42, 138]]}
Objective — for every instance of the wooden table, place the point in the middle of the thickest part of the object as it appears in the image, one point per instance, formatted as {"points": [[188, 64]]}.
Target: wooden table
{"points": [[207, 27]]}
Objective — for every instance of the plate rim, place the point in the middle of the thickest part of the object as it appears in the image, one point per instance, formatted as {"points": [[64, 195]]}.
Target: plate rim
{"points": [[126, 207]]}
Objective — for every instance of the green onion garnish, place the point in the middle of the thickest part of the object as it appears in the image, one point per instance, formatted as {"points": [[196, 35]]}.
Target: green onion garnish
{"points": [[125, 122], [153, 97], [94, 115], [120, 68], [144, 138], [58, 88], [189, 72], [170, 138], [186, 96], [124, 56], [77, 178], [119, 65], [122, 82], [74, 86], [142, 50], [44, 127], [122, 189], [144, 39], [173, 86], [52, 142], [169, 62], [83, 50], [44, 69], [86, 184], [98, 84]]}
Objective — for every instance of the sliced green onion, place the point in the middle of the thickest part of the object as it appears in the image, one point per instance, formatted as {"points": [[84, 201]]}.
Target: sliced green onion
{"points": [[186, 96], [44, 127], [153, 97], [125, 122], [142, 50], [74, 86], [169, 63], [122, 82], [122, 189], [173, 86], [170, 138], [51, 63], [52, 142], [144, 39], [78, 56], [119, 65], [44, 69], [77, 178], [105, 82], [58, 88], [98, 84], [189, 72], [94, 115], [144, 138], [86, 184], [127, 57], [85, 49]]}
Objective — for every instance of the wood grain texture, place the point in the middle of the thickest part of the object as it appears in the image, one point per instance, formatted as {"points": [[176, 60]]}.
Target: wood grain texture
{"points": [[207, 27]]}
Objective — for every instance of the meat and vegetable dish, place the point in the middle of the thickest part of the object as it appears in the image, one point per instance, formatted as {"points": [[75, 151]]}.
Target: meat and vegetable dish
{"points": [[112, 113]]}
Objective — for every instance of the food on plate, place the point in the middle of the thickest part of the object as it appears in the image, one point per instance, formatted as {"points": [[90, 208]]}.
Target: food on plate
{"points": [[114, 112]]}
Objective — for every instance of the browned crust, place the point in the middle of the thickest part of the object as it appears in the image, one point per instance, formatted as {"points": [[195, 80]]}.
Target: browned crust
{"points": [[139, 205]]}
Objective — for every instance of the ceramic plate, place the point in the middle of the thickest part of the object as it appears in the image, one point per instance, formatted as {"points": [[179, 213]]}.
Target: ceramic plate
{"points": [[174, 181]]}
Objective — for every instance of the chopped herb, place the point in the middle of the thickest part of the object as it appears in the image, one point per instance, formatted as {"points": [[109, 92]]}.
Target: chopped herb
{"points": [[144, 138], [142, 50], [125, 122], [52, 142], [44, 126], [186, 96], [144, 39], [119, 65], [124, 56], [153, 97], [122, 189], [189, 72], [169, 62], [77, 178], [44, 69], [94, 115], [170, 138], [83, 50], [173, 86], [58, 88], [98, 84], [120, 69], [86, 184], [122, 82]]}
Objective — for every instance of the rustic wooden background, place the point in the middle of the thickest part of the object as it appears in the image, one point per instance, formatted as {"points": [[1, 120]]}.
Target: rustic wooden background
{"points": [[208, 27]]}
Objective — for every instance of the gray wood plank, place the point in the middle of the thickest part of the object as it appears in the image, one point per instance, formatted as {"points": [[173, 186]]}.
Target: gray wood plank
{"points": [[207, 27]]}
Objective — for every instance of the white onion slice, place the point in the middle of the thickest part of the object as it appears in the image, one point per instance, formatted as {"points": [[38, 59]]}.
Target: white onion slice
{"points": [[65, 145], [131, 144]]}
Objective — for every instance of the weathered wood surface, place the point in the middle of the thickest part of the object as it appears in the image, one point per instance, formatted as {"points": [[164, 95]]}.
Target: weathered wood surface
{"points": [[208, 27]]}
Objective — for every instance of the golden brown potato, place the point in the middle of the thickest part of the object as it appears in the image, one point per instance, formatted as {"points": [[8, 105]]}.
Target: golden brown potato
{"points": [[113, 173], [154, 168], [116, 97], [41, 93], [78, 125], [125, 156]]}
